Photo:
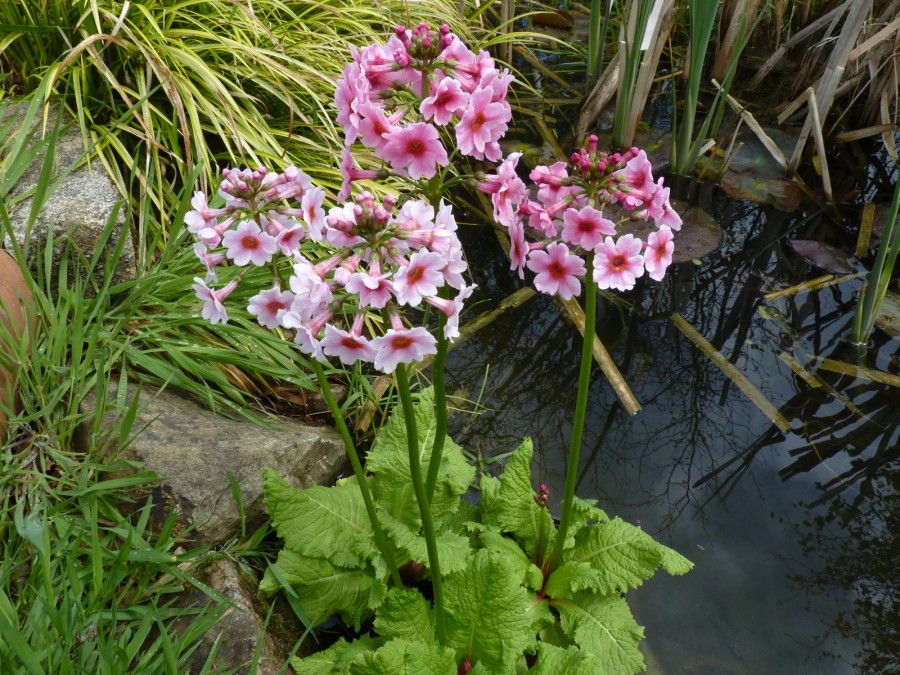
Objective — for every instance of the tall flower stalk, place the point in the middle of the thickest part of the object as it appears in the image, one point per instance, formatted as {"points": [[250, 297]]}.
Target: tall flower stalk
{"points": [[581, 220]]}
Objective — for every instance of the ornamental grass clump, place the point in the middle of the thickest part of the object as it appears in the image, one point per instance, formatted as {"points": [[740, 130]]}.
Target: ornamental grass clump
{"points": [[429, 581]]}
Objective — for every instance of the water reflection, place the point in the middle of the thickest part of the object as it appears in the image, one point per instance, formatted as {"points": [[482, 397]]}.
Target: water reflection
{"points": [[701, 467]]}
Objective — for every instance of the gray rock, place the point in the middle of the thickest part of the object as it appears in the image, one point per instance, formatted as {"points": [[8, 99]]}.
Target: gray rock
{"points": [[194, 450], [241, 626], [80, 207]]}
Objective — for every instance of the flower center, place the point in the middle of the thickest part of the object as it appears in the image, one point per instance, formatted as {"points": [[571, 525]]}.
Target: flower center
{"points": [[414, 274], [557, 270], [585, 225], [401, 341], [618, 263], [415, 148], [250, 242], [478, 121], [350, 342]]}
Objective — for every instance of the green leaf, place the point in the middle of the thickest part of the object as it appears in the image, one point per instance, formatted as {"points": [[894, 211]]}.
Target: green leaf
{"points": [[453, 549], [400, 657], [324, 589], [603, 625], [321, 522], [405, 614], [623, 556], [673, 562], [571, 578], [334, 660], [389, 459], [487, 613], [528, 574], [554, 660], [513, 508]]}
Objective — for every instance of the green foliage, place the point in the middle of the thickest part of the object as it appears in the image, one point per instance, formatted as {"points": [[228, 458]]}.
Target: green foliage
{"points": [[502, 603]]}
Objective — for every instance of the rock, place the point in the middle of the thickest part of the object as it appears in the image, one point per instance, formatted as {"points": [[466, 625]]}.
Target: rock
{"points": [[78, 210], [16, 318], [193, 450], [241, 626]]}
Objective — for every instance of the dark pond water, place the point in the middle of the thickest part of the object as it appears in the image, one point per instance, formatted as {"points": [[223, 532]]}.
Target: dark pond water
{"points": [[794, 535]]}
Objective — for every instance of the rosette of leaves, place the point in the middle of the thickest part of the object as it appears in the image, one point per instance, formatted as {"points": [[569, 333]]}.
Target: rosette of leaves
{"points": [[505, 610]]}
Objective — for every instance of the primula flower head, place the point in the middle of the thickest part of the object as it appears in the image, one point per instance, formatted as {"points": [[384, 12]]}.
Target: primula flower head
{"points": [[402, 346], [658, 254]]}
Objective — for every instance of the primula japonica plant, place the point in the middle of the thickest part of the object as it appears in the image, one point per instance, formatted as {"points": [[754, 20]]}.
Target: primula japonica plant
{"points": [[430, 581]]}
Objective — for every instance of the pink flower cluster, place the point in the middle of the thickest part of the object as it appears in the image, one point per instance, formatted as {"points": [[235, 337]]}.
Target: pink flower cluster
{"points": [[381, 259], [395, 97], [573, 203]]}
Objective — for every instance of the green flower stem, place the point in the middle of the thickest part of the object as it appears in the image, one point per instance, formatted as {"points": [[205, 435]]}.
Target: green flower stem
{"points": [[380, 539], [584, 381], [415, 470], [440, 405]]}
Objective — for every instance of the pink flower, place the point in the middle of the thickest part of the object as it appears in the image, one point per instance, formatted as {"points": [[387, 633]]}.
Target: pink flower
{"points": [[552, 181], [585, 227], [618, 264], [213, 310], [557, 271], [209, 260], [248, 244], [661, 210], [266, 305], [374, 126], [518, 247], [658, 254], [421, 277], [415, 148], [636, 182], [313, 213], [452, 309], [289, 240], [349, 348], [482, 125], [506, 189], [352, 89], [402, 346], [201, 216], [374, 290], [350, 174], [447, 99]]}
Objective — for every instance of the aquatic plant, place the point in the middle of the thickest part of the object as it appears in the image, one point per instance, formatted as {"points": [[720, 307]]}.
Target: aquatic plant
{"points": [[880, 277], [448, 585]]}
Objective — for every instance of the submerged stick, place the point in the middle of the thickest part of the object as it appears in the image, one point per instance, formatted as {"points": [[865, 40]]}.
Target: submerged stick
{"points": [[816, 284], [735, 375], [817, 382], [862, 372]]}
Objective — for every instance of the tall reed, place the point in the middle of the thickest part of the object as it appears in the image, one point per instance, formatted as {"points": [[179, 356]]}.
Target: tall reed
{"points": [[880, 276]]}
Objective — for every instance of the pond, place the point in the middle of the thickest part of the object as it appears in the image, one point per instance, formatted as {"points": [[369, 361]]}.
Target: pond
{"points": [[793, 532]]}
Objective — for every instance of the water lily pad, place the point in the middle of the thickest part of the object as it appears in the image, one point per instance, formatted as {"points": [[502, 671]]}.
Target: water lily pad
{"points": [[699, 236], [783, 194], [822, 255]]}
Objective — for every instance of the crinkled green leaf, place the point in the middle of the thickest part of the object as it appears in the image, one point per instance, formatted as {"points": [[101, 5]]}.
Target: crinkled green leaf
{"points": [[673, 562], [405, 614], [453, 549], [603, 625], [321, 522], [584, 512], [570, 578], [487, 613], [325, 589], [528, 573], [401, 657], [334, 660], [430, 659], [513, 509], [389, 659], [554, 660], [623, 555], [389, 458]]}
